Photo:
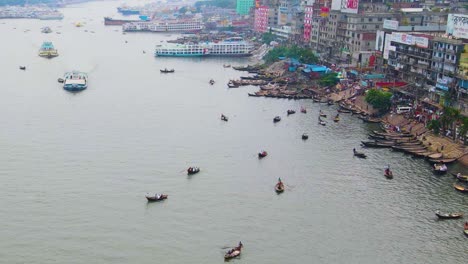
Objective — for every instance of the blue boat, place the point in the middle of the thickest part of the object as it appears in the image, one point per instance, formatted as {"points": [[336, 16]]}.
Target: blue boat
{"points": [[126, 11], [75, 81]]}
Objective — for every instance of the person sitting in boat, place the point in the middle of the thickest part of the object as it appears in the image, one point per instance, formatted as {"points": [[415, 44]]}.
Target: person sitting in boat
{"points": [[443, 167], [157, 196], [459, 175]]}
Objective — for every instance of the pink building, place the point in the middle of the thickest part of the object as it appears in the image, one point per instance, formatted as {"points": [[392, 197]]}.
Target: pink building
{"points": [[261, 19], [308, 11]]}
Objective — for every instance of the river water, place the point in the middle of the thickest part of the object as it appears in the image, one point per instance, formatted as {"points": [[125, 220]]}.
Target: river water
{"points": [[75, 167]]}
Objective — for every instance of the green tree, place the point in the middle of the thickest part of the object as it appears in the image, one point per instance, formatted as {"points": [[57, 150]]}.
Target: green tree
{"points": [[301, 54], [329, 79], [434, 125], [449, 119], [379, 99], [268, 37], [463, 130]]}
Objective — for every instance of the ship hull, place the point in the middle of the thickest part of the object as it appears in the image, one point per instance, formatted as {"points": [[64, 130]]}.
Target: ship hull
{"points": [[75, 88], [181, 55]]}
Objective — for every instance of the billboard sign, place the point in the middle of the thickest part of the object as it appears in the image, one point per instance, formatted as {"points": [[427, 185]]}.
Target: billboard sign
{"points": [[390, 24], [379, 40], [421, 42], [457, 25], [349, 6], [324, 11]]}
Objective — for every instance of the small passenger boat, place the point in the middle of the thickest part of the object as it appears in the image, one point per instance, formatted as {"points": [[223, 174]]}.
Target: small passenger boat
{"points": [[290, 112], [224, 118], [461, 177], [305, 136], [321, 114], [231, 84], [337, 118], [22, 68], [440, 168], [303, 110], [465, 228], [276, 119], [262, 154], [321, 122], [359, 154], [193, 170], [156, 197], [460, 188], [60, 80], [344, 111], [227, 65], [234, 252], [388, 173], [448, 215], [279, 187], [167, 71], [212, 81]]}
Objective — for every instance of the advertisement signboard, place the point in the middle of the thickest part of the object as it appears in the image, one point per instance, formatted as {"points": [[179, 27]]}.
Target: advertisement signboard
{"points": [[390, 24], [457, 25], [379, 40], [421, 42], [349, 6]]}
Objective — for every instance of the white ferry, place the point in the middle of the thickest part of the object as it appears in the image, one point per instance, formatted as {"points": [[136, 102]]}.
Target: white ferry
{"points": [[235, 46], [75, 81], [164, 26]]}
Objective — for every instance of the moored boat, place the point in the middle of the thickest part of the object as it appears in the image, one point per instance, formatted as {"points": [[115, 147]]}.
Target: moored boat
{"points": [[75, 81], [156, 197], [231, 84], [445, 161], [344, 111], [276, 119], [448, 215], [193, 170]]}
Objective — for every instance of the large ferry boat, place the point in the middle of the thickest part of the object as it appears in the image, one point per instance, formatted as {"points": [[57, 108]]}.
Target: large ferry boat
{"points": [[75, 81], [165, 26], [47, 50], [232, 47]]}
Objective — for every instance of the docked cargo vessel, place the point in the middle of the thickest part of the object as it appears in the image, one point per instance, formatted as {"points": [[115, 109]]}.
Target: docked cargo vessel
{"points": [[47, 50], [128, 11], [165, 26], [75, 81], [232, 47], [117, 22]]}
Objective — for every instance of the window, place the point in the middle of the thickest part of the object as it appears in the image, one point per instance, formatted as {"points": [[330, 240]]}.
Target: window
{"points": [[362, 19], [380, 19], [376, 26], [370, 19], [412, 19], [358, 35]]}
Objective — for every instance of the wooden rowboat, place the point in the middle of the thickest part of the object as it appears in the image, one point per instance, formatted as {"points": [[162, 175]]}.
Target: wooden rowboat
{"points": [[446, 161], [193, 170], [156, 198], [460, 188], [388, 174], [448, 215], [460, 177], [279, 187]]}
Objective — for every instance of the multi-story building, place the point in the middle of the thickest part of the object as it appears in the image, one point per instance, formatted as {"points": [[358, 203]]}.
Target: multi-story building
{"points": [[261, 19], [243, 6], [430, 62], [308, 11]]}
